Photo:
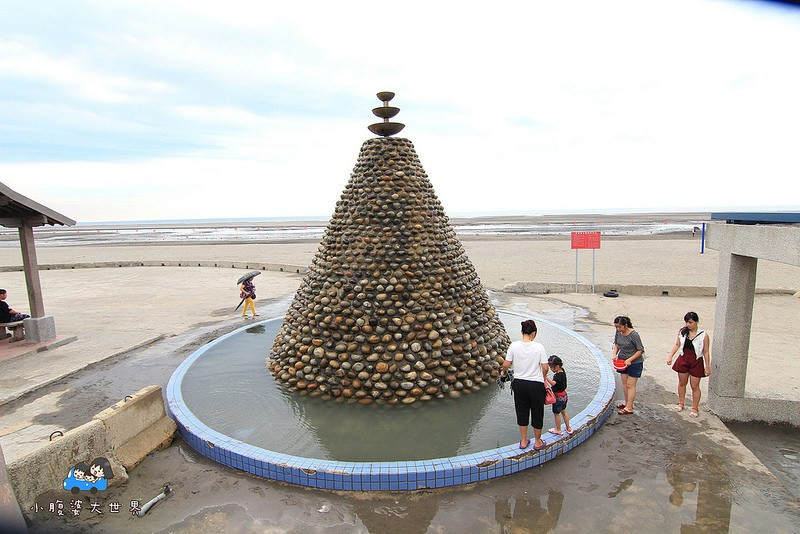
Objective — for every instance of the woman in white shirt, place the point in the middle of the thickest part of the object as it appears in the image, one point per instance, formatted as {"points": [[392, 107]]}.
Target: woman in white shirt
{"points": [[530, 367], [693, 363]]}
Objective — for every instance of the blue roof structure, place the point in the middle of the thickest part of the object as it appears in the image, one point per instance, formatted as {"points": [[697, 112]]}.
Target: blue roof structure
{"points": [[774, 217]]}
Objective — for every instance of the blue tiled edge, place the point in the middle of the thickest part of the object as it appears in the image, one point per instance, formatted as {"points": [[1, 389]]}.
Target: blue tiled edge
{"points": [[385, 476]]}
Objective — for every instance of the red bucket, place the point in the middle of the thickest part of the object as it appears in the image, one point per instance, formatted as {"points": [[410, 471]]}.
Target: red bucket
{"points": [[620, 364]]}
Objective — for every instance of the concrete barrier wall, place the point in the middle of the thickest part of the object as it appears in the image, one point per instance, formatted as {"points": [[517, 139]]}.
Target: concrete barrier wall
{"points": [[124, 434], [543, 288], [46, 468], [138, 425], [127, 418], [256, 266]]}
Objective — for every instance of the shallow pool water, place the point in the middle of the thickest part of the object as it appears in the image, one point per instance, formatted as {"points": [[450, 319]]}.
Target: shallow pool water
{"points": [[231, 391]]}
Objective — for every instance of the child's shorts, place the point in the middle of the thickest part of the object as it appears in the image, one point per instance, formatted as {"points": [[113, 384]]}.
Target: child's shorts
{"points": [[561, 402]]}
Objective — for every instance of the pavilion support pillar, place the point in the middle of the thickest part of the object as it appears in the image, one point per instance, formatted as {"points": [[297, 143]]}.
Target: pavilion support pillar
{"points": [[31, 266], [39, 327], [734, 318]]}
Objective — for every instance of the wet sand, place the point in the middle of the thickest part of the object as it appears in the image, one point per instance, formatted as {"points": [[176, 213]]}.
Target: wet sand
{"points": [[654, 470]]}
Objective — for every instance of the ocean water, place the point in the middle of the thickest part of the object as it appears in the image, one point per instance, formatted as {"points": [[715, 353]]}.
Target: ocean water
{"points": [[227, 231]]}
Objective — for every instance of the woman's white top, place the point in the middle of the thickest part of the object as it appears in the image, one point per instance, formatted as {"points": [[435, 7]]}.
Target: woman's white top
{"points": [[698, 342], [527, 358]]}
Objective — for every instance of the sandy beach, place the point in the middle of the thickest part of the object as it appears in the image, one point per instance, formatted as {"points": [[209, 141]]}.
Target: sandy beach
{"points": [[172, 310], [498, 261], [500, 258], [672, 260]]}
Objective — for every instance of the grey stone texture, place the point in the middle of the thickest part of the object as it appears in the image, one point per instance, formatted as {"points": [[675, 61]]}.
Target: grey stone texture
{"points": [[124, 434], [46, 467], [544, 288], [740, 247], [39, 329], [391, 309], [138, 425], [11, 519]]}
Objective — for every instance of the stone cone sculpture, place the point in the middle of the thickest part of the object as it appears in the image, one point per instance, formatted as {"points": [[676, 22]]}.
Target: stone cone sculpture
{"points": [[391, 309]]}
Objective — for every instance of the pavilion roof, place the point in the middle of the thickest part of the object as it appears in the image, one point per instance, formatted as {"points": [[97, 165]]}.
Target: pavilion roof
{"points": [[14, 208]]}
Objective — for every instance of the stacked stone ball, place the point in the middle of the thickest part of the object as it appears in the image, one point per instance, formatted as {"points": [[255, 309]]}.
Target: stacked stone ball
{"points": [[391, 309]]}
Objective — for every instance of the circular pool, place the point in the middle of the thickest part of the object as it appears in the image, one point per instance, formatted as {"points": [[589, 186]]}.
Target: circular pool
{"points": [[229, 408]]}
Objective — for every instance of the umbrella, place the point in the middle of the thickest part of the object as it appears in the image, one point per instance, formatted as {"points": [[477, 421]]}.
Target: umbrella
{"points": [[248, 276]]}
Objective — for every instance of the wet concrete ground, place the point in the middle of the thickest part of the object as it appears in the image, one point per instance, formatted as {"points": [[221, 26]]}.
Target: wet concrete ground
{"points": [[655, 470], [778, 448]]}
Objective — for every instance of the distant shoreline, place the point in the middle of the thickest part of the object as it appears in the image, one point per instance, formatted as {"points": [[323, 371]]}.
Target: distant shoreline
{"points": [[502, 228], [650, 217], [464, 238]]}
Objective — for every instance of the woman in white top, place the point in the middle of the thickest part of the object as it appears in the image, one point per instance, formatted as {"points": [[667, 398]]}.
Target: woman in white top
{"points": [[530, 367], [693, 363]]}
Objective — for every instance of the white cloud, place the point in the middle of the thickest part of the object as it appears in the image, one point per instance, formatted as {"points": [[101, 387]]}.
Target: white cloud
{"points": [[21, 62], [519, 106]]}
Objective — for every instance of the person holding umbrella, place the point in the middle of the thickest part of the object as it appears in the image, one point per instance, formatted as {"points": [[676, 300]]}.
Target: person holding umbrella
{"points": [[248, 292]]}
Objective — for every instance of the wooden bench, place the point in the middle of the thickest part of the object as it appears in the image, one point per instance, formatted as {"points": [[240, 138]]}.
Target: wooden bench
{"points": [[17, 330]]}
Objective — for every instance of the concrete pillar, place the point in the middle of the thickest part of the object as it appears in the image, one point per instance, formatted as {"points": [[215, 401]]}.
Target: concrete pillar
{"points": [[31, 267], [39, 329], [740, 247], [734, 315]]}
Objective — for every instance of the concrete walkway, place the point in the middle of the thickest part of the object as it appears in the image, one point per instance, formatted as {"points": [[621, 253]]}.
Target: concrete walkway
{"points": [[122, 310]]}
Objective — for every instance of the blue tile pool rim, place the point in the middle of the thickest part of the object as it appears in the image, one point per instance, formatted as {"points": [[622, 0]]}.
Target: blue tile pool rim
{"points": [[386, 476]]}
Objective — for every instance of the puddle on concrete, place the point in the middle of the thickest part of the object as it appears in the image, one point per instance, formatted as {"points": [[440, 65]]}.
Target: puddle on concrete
{"points": [[701, 482], [396, 511], [777, 447], [536, 514], [622, 487], [229, 518]]}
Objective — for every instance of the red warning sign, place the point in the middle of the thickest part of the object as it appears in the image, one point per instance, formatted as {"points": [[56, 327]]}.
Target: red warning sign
{"points": [[585, 239]]}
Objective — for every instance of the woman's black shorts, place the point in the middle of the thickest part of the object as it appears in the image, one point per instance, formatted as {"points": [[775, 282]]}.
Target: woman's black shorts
{"points": [[529, 402]]}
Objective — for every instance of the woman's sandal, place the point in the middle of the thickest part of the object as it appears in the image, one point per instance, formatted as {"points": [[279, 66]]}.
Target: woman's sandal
{"points": [[625, 412], [694, 413], [556, 432], [526, 445], [621, 405], [569, 431], [678, 408]]}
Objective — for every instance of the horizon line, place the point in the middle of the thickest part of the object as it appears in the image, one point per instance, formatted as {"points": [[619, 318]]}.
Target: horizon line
{"points": [[462, 215]]}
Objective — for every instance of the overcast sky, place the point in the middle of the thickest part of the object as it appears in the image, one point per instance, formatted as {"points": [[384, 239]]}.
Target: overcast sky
{"points": [[136, 110]]}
